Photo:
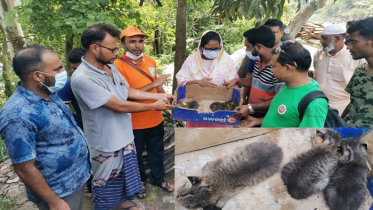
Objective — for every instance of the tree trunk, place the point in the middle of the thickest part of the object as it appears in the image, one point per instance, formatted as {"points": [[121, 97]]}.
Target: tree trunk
{"points": [[180, 47], [6, 71], [69, 44], [301, 18], [157, 41], [12, 31]]}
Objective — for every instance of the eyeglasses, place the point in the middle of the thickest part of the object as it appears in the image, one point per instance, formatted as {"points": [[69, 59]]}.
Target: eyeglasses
{"points": [[280, 50], [114, 50], [213, 49]]}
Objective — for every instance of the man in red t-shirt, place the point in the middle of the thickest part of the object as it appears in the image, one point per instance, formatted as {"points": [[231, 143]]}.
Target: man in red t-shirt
{"points": [[139, 71]]}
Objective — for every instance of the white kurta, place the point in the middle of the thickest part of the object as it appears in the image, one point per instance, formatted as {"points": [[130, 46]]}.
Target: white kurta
{"points": [[333, 74]]}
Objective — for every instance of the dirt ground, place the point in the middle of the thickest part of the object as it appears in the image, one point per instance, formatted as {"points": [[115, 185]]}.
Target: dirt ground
{"points": [[13, 192]]}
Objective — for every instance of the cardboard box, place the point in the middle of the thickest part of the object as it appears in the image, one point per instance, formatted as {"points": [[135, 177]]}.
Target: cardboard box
{"points": [[206, 96]]}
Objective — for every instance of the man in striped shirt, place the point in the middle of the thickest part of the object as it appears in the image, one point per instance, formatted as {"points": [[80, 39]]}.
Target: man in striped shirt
{"points": [[264, 84]]}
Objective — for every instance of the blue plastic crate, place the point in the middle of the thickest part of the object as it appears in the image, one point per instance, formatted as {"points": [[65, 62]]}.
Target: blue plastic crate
{"points": [[219, 117]]}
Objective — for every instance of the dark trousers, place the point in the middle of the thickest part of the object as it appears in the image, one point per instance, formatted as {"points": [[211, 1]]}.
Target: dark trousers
{"points": [[153, 139]]}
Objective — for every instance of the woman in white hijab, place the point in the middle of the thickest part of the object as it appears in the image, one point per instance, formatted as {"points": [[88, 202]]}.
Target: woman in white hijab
{"points": [[210, 66]]}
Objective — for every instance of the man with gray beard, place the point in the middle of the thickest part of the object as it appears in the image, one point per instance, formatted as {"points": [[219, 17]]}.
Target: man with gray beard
{"points": [[334, 66]]}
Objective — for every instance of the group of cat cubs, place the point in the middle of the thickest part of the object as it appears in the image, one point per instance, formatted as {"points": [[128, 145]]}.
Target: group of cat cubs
{"points": [[337, 166], [215, 106]]}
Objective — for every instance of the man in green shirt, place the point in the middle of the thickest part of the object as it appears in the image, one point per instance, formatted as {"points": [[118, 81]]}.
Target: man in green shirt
{"points": [[290, 64], [359, 40]]}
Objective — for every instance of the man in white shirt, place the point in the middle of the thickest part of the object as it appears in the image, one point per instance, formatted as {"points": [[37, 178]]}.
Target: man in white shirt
{"points": [[334, 66]]}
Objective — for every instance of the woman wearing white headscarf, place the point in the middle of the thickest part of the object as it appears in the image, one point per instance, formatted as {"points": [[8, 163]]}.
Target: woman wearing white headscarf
{"points": [[210, 66]]}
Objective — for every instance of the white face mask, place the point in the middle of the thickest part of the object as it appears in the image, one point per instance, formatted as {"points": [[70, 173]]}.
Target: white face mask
{"points": [[60, 81], [133, 56], [251, 56], [210, 54]]}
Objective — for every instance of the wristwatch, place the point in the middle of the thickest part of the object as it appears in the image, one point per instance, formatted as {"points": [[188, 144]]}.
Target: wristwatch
{"points": [[251, 109]]}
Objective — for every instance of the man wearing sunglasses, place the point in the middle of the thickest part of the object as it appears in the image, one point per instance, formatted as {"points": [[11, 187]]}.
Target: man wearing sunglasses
{"points": [[140, 72], [104, 98], [290, 64], [334, 66]]}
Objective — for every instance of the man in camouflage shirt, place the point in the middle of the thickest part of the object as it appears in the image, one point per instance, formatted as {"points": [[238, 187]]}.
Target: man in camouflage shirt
{"points": [[359, 40]]}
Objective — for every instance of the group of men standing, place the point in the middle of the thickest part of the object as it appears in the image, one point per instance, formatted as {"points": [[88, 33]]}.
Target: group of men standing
{"points": [[53, 156], [341, 72], [50, 152]]}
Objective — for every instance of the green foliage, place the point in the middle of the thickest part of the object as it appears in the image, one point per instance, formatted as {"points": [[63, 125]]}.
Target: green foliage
{"points": [[200, 20], [3, 151], [237, 9], [7, 203], [343, 11], [51, 21]]}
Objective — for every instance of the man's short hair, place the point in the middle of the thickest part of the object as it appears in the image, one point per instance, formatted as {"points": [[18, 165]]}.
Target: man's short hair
{"points": [[28, 60], [364, 27], [349, 23], [76, 54], [97, 33], [275, 22], [250, 36], [295, 52], [265, 36]]}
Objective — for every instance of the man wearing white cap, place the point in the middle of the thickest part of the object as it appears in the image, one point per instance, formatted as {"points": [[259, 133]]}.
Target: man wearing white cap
{"points": [[334, 66]]}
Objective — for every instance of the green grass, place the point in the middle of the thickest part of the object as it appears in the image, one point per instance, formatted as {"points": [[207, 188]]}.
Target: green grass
{"points": [[3, 152], [7, 203]]}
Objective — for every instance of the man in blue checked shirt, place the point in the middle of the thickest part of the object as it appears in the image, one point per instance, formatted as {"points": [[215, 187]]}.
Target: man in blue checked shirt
{"points": [[47, 148]]}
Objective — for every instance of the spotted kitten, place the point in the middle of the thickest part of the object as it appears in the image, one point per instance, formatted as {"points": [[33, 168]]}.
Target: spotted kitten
{"points": [[310, 172], [222, 178], [347, 187]]}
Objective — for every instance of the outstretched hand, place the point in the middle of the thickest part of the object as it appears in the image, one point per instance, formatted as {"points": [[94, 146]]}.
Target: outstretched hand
{"points": [[161, 80], [251, 121], [169, 99], [243, 111], [230, 83], [206, 82], [163, 104]]}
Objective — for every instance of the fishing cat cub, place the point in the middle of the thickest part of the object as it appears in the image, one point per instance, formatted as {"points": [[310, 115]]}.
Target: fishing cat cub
{"points": [[223, 177], [347, 187], [310, 172]]}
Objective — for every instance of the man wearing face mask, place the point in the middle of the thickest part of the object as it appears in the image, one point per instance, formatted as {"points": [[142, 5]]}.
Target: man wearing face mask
{"points": [[264, 85], [334, 66], [47, 148], [106, 101], [66, 94], [246, 82], [139, 71]]}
